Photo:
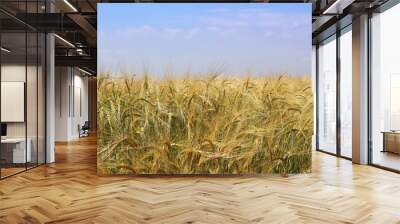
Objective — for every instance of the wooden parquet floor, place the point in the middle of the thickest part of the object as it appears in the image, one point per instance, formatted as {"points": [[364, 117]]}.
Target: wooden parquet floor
{"points": [[69, 191]]}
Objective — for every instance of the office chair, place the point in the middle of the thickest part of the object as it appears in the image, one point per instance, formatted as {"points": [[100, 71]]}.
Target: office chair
{"points": [[84, 130]]}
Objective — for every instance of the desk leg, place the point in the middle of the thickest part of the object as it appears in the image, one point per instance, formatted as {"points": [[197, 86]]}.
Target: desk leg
{"points": [[384, 142]]}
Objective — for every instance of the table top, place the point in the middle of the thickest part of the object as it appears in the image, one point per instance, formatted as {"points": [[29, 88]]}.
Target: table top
{"points": [[391, 132], [13, 140]]}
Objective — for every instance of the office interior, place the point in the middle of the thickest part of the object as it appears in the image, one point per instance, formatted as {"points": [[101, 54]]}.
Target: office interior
{"points": [[48, 103], [45, 89], [48, 76], [334, 74]]}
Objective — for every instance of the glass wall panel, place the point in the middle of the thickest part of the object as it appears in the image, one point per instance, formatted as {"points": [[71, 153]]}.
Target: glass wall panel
{"points": [[32, 86], [22, 90], [346, 92], [41, 98], [31, 97], [327, 95], [14, 153], [385, 89]]}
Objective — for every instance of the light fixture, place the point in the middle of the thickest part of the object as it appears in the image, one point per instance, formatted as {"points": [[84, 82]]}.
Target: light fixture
{"points": [[84, 71], [5, 50], [65, 41], [79, 51], [337, 7], [70, 5]]}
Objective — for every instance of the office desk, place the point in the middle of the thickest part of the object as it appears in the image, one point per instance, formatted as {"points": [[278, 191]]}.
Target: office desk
{"points": [[391, 141], [13, 150]]}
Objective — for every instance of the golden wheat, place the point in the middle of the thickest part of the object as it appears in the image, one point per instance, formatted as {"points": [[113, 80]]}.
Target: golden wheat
{"points": [[211, 125]]}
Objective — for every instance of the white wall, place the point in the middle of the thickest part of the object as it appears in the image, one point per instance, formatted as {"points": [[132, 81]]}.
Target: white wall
{"points": [[34, 125], [12, 73], [62, 82], [79, 117], [70, 83]]}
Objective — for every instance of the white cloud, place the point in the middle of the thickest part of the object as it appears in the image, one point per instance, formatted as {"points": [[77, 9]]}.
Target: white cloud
{"points": [[222, 31], [219, 10], [190, 33], [170, 32], [268, 34], [212, 28], [225, 22], [245, 20], [165, 32], [129, 32]]}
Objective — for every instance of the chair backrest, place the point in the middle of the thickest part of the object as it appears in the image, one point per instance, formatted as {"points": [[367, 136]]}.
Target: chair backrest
{"points": [[86, 125]]}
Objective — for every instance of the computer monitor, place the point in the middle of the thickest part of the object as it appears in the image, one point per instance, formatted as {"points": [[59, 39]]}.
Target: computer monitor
{"points": [[3, 129]]}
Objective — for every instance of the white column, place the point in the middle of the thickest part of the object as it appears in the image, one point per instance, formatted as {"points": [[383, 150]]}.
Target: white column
{"points": [[360, 90], [314, 90], [50, 99]]}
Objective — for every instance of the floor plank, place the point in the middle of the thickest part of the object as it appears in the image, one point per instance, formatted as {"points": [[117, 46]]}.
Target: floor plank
{"points": [[69, 191]]}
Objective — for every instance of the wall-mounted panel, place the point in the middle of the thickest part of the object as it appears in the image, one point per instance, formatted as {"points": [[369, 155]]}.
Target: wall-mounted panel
{"points": [[13, 101], [204, 88]]}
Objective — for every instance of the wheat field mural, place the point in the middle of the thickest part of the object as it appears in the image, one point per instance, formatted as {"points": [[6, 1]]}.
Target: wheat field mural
{"points": [[211, 89], [210, 125]]}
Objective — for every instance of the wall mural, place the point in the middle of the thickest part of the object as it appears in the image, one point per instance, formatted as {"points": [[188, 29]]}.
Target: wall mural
{"points": [[204, 88]]}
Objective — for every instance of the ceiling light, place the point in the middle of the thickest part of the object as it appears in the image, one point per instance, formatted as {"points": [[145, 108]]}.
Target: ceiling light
{"points": [[84, 71], [70, 5], [79, 51], [5, 50], [338, 6], [65, 41]]}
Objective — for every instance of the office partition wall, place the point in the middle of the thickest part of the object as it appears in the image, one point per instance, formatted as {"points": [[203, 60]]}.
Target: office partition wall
{"points": [[13, 79], [385, 89], [22, 87], [345, 92], [334, 94], [327, 95]]}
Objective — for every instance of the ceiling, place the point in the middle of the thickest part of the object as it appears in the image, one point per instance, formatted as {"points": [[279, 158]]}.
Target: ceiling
{"points": [[75, 22]]}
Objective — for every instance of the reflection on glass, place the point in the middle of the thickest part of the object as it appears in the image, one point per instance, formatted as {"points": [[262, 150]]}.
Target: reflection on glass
{"points": [[14, 150], [327, 96], [394, 102], [31, 100], [22, 91], [386, 89], [41, 98], [346, 93]]}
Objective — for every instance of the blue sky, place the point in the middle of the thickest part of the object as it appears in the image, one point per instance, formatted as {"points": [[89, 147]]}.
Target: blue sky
{"points": [[234, 39]]}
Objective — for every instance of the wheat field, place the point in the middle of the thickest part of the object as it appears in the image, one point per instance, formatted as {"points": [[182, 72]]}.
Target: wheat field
{"points": [[204, 125]]}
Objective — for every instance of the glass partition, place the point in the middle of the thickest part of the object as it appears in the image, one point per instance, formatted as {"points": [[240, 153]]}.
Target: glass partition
{"points": [[385, 89], [13, 94], [41, 97], [22, 88], [327, 95], [346, 93], [31, 97]]}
